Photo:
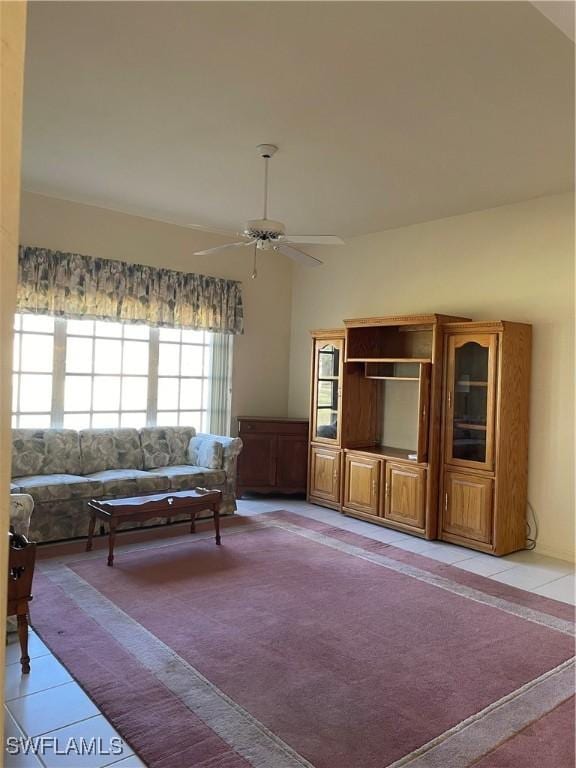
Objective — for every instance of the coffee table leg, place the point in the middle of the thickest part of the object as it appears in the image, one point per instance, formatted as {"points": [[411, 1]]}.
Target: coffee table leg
{"points": [[111, 538], [91, 526], [217, 523], [193, 522]]}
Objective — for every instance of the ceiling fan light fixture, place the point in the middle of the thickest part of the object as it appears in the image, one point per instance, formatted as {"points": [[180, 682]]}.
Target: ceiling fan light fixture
{"points": [[264, 228]]}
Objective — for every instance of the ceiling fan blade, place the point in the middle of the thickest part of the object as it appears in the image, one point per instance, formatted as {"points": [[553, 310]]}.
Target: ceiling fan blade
{"points": [[219, 248], [298, 255], [314, 239], [213, 230]]}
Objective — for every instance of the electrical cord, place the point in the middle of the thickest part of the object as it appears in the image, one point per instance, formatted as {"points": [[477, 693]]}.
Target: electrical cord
{"points": [[531, 540]]}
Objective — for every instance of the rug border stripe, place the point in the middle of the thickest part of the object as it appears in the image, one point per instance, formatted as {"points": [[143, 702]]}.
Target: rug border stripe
{"points": [[479, 734]]}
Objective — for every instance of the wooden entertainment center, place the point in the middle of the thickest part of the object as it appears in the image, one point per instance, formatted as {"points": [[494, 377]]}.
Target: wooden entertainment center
{"points": [[420, 423]]}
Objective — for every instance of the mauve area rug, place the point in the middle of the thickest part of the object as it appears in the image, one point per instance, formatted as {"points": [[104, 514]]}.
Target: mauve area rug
{"points": [[299, 644]]}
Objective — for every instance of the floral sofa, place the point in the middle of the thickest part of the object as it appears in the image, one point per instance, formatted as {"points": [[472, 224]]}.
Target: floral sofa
{"points": [[63, 469]]}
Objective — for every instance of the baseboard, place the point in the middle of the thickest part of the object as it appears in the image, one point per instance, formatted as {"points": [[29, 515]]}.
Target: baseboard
{"points": [[557, 553]]}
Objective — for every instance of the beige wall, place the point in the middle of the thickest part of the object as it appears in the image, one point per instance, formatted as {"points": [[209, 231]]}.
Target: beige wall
{"points": [[260, 376], [12, 40], [512, 263]]}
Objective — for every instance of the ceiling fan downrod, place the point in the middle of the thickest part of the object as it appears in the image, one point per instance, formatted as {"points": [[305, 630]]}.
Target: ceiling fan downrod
{"points": [[266, 151]]}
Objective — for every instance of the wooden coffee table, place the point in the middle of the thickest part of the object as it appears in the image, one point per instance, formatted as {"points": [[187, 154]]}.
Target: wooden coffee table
{"points": [[138, 508]]}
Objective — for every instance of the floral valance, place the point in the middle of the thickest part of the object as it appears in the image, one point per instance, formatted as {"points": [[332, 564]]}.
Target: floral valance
{"points": [[76, 286]]}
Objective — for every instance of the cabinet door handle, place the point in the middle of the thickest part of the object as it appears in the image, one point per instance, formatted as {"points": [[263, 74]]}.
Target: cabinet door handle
{"points": [[387, 489], [423, 413], [446, 502], [374, 487], [449, 399]]}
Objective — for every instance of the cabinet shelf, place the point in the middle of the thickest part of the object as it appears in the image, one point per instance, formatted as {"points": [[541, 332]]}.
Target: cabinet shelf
{"points": [[465, 425], [393, 371], [388, 360], [388, 452], [472, 383]]}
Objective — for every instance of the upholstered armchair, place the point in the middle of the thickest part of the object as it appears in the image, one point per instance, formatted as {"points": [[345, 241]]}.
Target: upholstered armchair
{"points": [[21, 508]]}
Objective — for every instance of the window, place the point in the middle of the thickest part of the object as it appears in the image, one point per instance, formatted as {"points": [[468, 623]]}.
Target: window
{"points": [[106, 374], [184, 358], [32, 381], [85, 373]]}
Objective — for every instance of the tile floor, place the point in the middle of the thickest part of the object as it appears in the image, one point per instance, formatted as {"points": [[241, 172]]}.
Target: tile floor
{"points": [[48, 702]]}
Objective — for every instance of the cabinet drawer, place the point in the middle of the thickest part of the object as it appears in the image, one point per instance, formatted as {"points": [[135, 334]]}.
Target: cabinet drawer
{"points": [[257, 426]]}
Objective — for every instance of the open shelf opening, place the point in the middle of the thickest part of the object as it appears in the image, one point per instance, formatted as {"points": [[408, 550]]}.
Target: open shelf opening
{"points": [[399, 415], [389, 343], [393, 371]]}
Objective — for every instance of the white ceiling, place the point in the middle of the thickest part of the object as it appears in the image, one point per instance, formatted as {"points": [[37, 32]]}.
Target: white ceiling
{"points": [[385, 113]]}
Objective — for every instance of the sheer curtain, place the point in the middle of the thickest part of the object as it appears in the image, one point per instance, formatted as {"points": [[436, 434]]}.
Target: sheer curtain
{"points": [[221, 384]]}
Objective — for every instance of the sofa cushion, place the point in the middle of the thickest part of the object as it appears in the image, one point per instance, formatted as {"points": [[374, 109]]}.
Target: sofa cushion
{"points": [[14, 488], [130, 482], [45, 452], [165, 446], [59, 487], [205, 452], [184, 477], [110, 449]]}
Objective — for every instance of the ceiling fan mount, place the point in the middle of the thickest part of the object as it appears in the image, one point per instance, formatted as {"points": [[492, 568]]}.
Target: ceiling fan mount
{"points": [[266, 234], [267, 150]]}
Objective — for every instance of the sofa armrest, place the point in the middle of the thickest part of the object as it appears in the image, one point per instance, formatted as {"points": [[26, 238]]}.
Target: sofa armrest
{"points": [[231, 447], [21, 508]]}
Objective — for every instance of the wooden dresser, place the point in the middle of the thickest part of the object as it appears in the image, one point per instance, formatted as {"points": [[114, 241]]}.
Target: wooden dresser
{"points": [[274, 458]]}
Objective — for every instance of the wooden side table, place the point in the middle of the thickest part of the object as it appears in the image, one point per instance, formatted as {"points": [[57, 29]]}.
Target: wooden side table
{"points": [[139, 508]]}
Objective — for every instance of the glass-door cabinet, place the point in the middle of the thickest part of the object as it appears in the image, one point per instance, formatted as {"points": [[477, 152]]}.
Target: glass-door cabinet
{"points": [[470, 400], [327, 390]]}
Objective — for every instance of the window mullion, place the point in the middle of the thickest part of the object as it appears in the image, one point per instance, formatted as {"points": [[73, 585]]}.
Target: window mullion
{"points": [[153, 359], [58, 372], [19, 373]]}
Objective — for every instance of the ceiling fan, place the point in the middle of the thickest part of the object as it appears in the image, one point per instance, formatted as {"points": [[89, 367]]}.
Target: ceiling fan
{"points": [[268, 235]]}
